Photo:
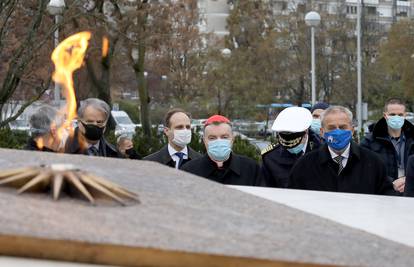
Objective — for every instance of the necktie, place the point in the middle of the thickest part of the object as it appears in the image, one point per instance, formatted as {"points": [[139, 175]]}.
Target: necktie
{"points": [[338, 159], [180, 155], [93, 151]]}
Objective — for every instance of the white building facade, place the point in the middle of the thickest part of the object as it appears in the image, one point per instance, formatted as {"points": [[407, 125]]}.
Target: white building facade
{"points": [[214, 13]]}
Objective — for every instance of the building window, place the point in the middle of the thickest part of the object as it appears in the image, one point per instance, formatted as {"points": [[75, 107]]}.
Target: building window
{"points": [[351, 9], [402, 14], [371, 10], [322, 7]]}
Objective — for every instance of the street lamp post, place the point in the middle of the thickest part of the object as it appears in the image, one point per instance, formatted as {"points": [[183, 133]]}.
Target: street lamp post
{"points": [[313, 19], [359, 72], [226, 53], [55, 8]]}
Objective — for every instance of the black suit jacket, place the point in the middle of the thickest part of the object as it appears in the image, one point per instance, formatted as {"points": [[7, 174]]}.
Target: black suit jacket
{"points": [[237, 170], [163, 156], [363, 173]]}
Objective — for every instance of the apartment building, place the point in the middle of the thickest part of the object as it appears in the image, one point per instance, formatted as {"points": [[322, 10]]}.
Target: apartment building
{"points": [[213, 16], [384, 12]]}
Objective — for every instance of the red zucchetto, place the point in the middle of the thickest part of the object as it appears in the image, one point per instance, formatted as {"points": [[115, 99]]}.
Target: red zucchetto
{"points": [[216, 119]]}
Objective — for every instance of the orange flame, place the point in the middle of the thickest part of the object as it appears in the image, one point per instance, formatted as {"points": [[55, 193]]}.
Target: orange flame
{"points": [[68, 56], [40, 143], [105, 46]]}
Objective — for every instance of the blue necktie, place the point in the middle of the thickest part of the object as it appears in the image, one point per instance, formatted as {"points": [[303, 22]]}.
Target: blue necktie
{"points": [[180, 155]]}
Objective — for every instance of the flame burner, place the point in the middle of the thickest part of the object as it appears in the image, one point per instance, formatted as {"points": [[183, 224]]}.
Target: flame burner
{"points": [[54, 177]]}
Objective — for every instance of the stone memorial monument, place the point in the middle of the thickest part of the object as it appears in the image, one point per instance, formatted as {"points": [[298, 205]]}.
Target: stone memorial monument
{"points": [[181, 220]]}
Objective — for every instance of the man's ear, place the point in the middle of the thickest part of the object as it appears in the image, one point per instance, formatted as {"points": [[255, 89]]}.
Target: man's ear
{"points": [[167, 131], [322, 131]]}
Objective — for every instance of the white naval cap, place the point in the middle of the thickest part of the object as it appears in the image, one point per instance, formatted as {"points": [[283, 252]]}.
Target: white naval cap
{"points": [[293, 119]]}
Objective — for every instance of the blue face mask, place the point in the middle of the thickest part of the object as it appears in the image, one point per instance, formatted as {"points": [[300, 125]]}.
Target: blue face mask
{"points": [[338, 139], [297, 149], [316, 126], [395, 122], [219, 150]]}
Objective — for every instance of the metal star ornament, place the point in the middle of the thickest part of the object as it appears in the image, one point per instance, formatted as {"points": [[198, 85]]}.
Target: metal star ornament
{"points": [[54, 177]]}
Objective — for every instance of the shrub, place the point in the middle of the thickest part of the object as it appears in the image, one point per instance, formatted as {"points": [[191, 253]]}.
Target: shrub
{"points": [[243, 147], [13, 139], [145, 145]]}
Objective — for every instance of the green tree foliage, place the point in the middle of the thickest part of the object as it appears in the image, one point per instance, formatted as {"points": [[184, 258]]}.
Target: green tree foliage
{"points": [[397, 58], [270, 60]]}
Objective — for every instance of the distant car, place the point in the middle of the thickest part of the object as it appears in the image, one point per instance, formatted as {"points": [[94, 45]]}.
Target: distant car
{"points": [[19, 125]]}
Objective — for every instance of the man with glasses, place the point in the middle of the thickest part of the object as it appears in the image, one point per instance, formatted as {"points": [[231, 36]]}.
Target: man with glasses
{"points": [[88, 139]]}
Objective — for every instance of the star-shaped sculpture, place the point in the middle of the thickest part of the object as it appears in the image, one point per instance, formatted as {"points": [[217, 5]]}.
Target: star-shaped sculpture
{"points": [[53, 177]]}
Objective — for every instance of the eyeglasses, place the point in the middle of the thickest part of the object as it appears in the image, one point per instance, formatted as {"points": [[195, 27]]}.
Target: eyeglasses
{"points": [[97, 123]]}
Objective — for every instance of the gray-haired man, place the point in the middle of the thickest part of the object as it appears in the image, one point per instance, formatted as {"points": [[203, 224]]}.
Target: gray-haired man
{"points": [[340, 165], [88, 139], [44, 125]]}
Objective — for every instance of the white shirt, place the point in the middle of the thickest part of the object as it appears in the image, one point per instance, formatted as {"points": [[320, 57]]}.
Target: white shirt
{"points": [[172, 152], [306, 144], [345, 155], [95, 145]]}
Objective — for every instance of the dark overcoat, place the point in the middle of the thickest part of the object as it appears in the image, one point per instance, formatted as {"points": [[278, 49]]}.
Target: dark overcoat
{"points": [[74, 146], [364, 173], [379, 142], [277, 162], [237, 170], [409, 178]]}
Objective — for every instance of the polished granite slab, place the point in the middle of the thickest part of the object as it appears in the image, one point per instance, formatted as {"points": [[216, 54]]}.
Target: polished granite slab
{"points": [[182, 220], [386, 216]]}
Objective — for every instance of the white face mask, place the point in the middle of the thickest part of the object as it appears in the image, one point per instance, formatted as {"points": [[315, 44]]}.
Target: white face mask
{"points": [[182, 137]]}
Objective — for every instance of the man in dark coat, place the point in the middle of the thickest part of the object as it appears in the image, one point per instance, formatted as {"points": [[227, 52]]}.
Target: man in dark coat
{"points": [[392, 139], [125, 146], [340, 165], [316, 111], [178, 131], [409, 180], [294, 140], [220, 164], [88, 138], [44, 127]]}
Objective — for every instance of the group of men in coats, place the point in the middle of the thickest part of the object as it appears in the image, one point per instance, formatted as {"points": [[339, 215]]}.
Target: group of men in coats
{"points": [[314, 151]]}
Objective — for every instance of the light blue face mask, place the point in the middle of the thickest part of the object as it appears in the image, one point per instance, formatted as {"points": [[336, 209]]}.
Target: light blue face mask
{"points": [[220, 149], [297, 149], [395, 122], [316, 126]]}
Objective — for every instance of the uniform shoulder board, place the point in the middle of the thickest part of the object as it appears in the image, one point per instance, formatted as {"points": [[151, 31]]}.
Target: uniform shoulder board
{"points": [[269, 148]]}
